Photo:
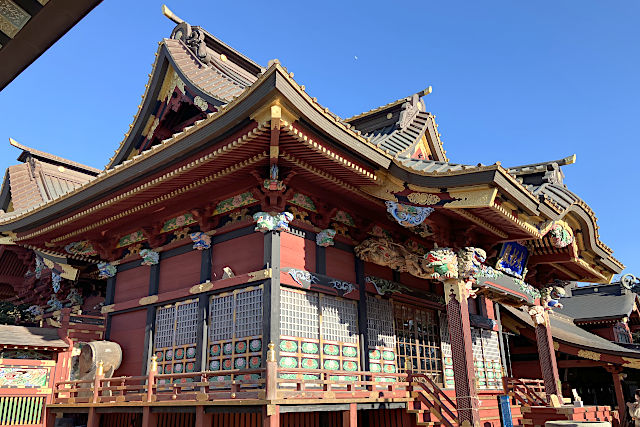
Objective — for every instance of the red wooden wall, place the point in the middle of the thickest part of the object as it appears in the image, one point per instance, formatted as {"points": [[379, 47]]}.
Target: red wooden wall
{"points": [[180, 271], [127, 329], [243, 255], [132, 284], [341, 264], [297, 252]]}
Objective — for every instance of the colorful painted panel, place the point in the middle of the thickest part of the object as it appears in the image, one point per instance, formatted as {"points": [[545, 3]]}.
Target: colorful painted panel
{"points": [[178, 222], [234, 202], [235, 331], [130, 239], [303, 201], [345, 218], [23, 377], [175, 337]]}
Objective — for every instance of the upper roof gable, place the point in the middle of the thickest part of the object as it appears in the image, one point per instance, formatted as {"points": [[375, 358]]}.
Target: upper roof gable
{"points": [[40, 178], [403, 128]]}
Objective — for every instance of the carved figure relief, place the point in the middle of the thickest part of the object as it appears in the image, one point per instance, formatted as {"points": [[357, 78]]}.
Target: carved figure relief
{"points": [[201, 241], [384, 252], [325, 237], [550, 297], [106, 270], [444, 263], [560, 232], [267, 222], [149, 257]]}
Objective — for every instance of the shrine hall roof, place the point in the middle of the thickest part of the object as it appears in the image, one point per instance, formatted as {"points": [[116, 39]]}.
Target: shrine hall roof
{"points": [[563, 329], [40, 178], [599, 302], [11, 335]]}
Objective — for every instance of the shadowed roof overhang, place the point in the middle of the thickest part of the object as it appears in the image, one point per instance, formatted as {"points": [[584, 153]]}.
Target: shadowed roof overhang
{"points": [[493, 176], [274, 84], [42, 30], [572, 339]]}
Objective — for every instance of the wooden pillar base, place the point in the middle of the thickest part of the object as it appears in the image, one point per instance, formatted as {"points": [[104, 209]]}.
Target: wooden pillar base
{"points": [[202, 418], [94, 418], [271, 416], [350, 417], [149, 419]]}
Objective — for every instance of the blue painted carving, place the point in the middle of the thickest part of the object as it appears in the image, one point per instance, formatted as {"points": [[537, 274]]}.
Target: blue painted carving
{"points": [[407, 215], [267, 222]]}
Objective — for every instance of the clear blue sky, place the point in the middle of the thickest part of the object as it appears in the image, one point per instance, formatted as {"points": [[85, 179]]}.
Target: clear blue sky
{"points": [[514, 81]]}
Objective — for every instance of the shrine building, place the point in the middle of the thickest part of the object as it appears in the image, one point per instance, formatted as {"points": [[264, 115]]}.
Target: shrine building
{"points": [[259, 260]]}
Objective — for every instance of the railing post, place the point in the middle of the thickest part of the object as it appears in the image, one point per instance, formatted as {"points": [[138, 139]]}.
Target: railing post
{"points": [[271, 374], [97, 382], [151, 377]]}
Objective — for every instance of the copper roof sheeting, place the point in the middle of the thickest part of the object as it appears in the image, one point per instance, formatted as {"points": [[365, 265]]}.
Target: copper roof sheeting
{"points": [[11, 335], [432, 166]]}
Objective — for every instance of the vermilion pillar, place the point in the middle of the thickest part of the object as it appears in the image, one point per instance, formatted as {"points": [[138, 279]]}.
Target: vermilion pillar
{"points": [[547, 353], [461, 349]]}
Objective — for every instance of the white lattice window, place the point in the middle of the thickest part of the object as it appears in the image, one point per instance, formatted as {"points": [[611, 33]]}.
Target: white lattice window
{"points": [[235, 330], [339, 319], [380, 323], [175, 336], [221, 317], [299, 314]]}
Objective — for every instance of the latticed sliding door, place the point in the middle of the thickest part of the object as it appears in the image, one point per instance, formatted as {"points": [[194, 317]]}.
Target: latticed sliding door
{"points": [[382, 338], [318, 331], [486, 358], [235, 330], [176, 332], [418, 340]]}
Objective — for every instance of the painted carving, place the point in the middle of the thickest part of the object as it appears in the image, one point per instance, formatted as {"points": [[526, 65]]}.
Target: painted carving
{"points": [[56, 279], [178, 222], [393, 255], [537, 314], [23, 377], [80, 248], [471, 263], [407, 215], [74, 297], [54, 303], [345, 218], [201, 241], [345, 287], [560, 232], [444, 263], [273, 183], [106, 270], [149, 257], [325, 237], [384, 286], [303, 201], [302, 277], [35, 310], [39, 266], [266, 222], [234, 202], [423, 198], [550, 297], [130, 239]]}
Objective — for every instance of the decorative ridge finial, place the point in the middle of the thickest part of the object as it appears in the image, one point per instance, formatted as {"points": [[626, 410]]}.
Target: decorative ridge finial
{"points": [[169, 14], [426, 91]]}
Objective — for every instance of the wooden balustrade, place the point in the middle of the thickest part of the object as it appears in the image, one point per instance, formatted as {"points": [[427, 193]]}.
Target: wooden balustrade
{"points": [[439, 404], [234, 384], [322, 384], [525, 391]]}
